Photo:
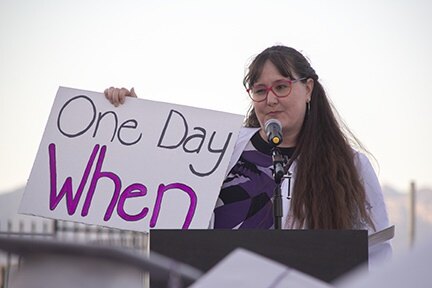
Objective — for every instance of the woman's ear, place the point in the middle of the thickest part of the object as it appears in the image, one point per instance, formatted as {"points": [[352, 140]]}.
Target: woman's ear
{"points": [[309, 87]]}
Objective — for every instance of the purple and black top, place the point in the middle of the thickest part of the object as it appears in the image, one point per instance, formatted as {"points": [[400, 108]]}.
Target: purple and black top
{"points": [[245, 200]]}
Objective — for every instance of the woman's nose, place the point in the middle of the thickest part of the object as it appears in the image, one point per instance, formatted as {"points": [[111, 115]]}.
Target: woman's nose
{"points": [[271, 97]]}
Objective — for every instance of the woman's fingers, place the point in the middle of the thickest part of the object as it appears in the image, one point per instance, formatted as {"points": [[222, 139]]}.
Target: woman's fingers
{"points": [[123, 92], [115, 97], [118, 96]]}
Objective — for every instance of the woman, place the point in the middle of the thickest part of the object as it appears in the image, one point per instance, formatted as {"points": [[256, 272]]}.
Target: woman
{"points": [[332, 186], [330, 190]]}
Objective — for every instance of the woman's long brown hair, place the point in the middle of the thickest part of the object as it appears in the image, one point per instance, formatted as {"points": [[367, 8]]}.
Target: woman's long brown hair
{"points": [[327, 193]]}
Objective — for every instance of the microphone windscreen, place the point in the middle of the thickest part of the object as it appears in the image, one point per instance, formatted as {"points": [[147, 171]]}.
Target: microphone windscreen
{"points": [[273, 130]]}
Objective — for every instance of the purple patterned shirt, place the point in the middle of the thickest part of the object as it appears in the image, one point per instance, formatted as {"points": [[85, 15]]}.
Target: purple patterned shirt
{"points": [[245, 200]]}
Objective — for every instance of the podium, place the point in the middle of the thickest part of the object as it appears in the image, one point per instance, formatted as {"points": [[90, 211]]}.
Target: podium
{"points": [[323, 254]]}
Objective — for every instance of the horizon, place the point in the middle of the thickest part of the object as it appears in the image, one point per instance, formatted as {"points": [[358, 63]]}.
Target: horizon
{"points": [[386, 188]]}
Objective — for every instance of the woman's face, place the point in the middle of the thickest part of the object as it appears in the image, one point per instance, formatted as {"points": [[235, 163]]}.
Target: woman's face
{"points": [[289, 110]]}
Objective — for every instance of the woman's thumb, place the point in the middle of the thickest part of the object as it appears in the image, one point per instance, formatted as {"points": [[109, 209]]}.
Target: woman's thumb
{"points": [[132, 92]]}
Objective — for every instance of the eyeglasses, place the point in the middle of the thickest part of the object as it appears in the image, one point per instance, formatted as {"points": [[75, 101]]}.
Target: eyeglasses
{"points": [[281, 88]]}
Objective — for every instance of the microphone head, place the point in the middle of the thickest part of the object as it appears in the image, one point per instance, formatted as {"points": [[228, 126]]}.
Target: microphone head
{"points": [[273, 130]]}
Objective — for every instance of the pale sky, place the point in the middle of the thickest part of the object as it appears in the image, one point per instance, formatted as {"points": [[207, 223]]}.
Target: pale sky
{"points": [[373, 57]]}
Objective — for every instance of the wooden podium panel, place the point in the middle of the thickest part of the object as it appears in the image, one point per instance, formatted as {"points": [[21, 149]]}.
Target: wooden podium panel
{"points": [[324, 254]]}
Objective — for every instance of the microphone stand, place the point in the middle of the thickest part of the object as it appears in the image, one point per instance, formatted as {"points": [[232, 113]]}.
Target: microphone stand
{"points": [[278, 173]]}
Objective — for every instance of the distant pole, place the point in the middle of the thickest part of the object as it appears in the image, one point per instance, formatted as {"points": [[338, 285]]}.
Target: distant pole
{"points": [[412, 211]]}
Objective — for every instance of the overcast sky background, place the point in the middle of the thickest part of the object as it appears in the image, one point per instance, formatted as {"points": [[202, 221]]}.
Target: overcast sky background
{"points": [[373, 58]]}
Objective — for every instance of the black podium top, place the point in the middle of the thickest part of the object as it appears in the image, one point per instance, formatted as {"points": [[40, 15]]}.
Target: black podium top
{"points": [[324, 254]]}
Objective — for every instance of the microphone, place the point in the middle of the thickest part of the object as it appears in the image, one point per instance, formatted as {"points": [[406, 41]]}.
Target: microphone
{"points": [[273, 130]]}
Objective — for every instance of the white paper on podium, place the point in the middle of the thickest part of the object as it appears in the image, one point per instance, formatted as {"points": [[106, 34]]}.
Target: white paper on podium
{"points": [[243, 268]]}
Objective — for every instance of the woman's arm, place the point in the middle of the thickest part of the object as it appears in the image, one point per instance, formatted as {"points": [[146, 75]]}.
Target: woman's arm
{"points": [[377, 209]]}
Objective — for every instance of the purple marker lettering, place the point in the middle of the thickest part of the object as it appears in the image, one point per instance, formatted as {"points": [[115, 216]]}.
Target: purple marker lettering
{"points": [[96, 176], [129, 192], [71, 201], [161, 190]]}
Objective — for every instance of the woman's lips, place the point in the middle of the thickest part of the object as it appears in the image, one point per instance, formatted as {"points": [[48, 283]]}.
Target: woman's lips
{"points": [[273, 113]]}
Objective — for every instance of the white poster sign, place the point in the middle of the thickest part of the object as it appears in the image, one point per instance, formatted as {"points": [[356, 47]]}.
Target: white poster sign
{"points": [[139, 166]]}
